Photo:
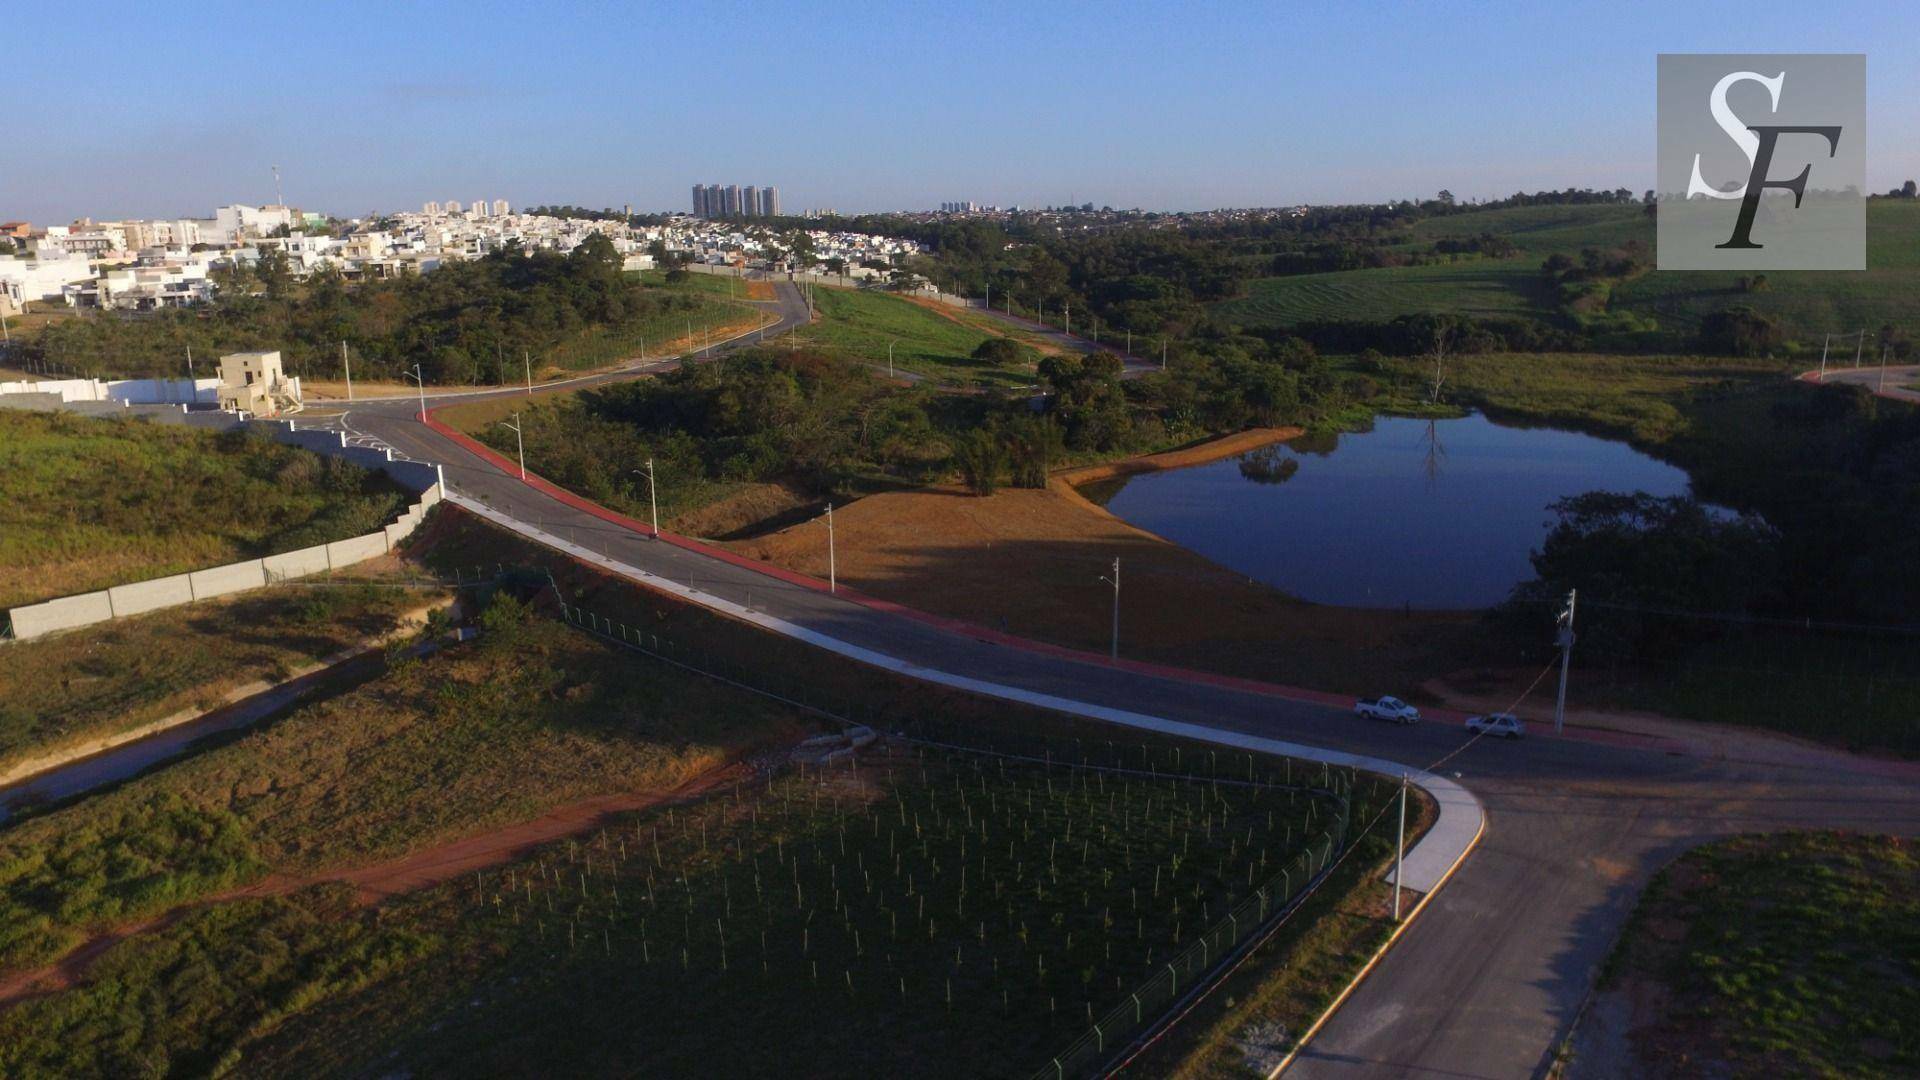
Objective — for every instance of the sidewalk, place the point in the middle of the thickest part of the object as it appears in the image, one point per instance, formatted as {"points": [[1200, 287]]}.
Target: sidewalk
{"points": [[1457, 826]]}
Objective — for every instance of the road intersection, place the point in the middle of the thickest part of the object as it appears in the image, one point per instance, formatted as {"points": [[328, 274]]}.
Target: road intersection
{"points": [[1489, 980]]}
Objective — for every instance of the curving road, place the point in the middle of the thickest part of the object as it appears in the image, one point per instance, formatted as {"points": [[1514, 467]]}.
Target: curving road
{"points": [[1900, 383], [1488, 981]]}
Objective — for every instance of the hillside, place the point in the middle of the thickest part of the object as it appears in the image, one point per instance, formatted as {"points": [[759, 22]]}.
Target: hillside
{"points": [[1808, 304], [89, 503]]}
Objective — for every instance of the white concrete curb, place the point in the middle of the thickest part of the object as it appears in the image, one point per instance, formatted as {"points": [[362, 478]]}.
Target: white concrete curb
{"points": [[1459, 817]]}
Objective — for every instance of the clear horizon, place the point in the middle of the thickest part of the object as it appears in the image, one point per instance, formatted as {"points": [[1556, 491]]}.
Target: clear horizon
{"points": [[1142, 105]]}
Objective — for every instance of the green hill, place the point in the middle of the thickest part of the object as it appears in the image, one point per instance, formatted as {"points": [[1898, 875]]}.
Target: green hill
{"points": [[1807, 303]]}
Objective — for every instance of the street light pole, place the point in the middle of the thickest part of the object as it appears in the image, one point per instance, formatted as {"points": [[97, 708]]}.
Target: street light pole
{"points": [[1400, 850], [526, 358], [890, 359], [1565, 639], [1824, 344], [653, 502], [518, 442], [1114, 648], [833, 570], [421, 381], [347, 366]]}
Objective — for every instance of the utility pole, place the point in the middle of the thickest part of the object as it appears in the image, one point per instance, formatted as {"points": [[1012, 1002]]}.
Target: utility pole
{"points": [[833, 571], [526, 358], [1882, 383], [989, 304], [1824, 343], [1067, 319], [420, 379], [1129, 342], [1114, 649], [1400, 849], [1163, 354], [653, 502], [889, 359], [1564, 638], [518, 442], [1859, 343], [347, 366]]}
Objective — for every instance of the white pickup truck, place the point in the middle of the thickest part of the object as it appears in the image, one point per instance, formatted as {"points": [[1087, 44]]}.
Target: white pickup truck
{"points": [[1387, 708]]}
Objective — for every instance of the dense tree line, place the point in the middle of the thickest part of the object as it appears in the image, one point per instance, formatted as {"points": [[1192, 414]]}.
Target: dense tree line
{"points": [[466, 322]]}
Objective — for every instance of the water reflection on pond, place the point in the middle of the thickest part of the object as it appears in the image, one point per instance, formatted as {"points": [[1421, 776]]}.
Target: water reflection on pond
{"points": [[1427, 514]]}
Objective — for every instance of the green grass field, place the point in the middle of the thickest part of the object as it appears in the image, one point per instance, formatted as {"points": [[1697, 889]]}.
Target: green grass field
{"points": [[1808, 304], [1784, 955], [59, 690], [86, 503], [863, 323], [1469, 287]]}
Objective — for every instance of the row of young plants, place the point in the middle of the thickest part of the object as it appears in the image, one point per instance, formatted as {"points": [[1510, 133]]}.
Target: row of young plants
{"points": [[1063, 892]]}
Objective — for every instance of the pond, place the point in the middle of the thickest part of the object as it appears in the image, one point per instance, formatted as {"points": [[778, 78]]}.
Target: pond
{"points": [[1425, 514]]}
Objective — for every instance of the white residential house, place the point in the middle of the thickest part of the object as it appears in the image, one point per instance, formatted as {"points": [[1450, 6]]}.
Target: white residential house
{"points": [[25, 280]]}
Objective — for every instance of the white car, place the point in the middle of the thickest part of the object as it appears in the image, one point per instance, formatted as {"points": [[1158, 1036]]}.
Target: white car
{"points": [[1387, 708], [1503, 724]]}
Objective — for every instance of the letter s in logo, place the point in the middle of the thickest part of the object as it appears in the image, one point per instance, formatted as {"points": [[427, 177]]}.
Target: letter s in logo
{"points": [[1748, 142]]}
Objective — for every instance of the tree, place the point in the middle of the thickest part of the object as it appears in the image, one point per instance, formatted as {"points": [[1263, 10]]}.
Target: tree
{"points": [[1033, 444], [1739, 331], [980, 459], [274, 272], [1908, 190], [1003, 352]]}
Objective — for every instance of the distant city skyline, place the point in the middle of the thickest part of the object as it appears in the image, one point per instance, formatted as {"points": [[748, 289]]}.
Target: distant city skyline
{"points": [[1143, 106]]}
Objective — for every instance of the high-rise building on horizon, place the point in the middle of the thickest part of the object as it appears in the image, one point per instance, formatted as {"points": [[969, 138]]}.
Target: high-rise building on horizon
{"points": [[732, 200], [432, 209], [500, 208]]}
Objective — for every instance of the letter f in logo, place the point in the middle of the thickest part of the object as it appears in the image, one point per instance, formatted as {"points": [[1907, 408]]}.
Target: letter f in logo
{"points": [[1757, 143]]}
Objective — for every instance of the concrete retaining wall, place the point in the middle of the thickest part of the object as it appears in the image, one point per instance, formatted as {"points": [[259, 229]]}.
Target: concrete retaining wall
{"points": [[358, 549], [296, 564], [231, 578], [60, 614], [123, 600], [149, 595]]}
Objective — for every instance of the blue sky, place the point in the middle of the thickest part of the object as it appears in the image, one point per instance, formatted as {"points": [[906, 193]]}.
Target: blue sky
{"points": [[146, 110]]}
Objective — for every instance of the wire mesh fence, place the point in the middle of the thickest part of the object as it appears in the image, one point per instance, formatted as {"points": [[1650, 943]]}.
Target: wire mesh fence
{"points": [[1168, 760], [1191, 967]]}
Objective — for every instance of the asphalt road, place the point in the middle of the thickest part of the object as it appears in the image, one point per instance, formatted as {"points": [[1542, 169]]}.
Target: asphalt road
{"points": [[1489, 980], [1892, 382]]}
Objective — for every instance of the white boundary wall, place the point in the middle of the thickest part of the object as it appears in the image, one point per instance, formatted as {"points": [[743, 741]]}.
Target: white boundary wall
{"points": [[120, 601]]}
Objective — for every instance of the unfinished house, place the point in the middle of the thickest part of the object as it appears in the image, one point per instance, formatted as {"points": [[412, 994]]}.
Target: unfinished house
{"points": [[254, 383]]}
